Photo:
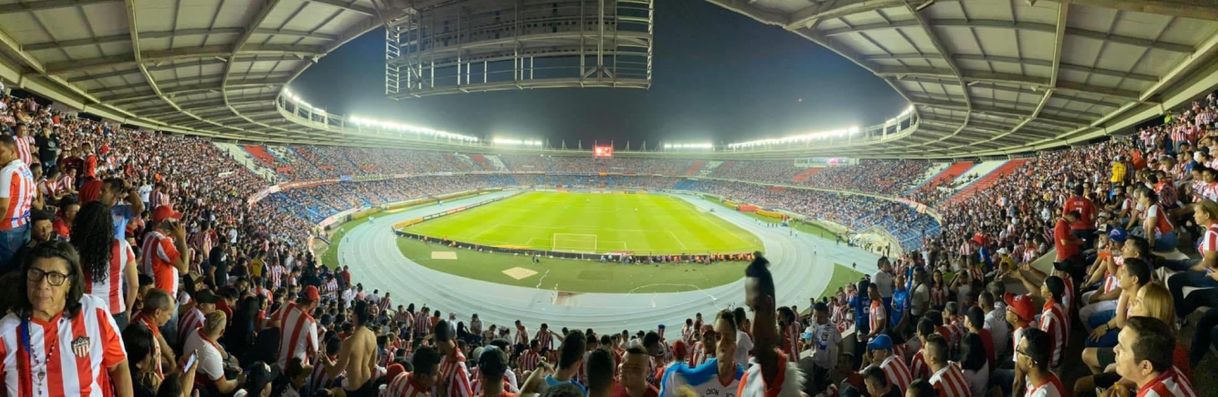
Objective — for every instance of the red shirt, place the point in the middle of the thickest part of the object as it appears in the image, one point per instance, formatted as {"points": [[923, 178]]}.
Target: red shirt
{"points": [[1061, 231], [1085, 208]]}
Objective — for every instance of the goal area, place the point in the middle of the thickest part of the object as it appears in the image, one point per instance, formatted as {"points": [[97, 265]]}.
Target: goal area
{"points": [[574, 242]]}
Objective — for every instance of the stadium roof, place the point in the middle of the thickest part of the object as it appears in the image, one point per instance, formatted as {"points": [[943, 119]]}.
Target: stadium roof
{"points": [[986, 77], [992, 77], [209, 67]]}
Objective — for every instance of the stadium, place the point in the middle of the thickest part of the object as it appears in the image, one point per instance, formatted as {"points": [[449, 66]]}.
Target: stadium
{"points": [[416, 197]]}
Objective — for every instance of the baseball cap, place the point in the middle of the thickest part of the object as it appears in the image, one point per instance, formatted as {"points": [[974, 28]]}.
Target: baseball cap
{"points": [[394, 370], [1118, 235], [880, 342], [164, 212], [91, 191], [311, 293], [1022, 305]]}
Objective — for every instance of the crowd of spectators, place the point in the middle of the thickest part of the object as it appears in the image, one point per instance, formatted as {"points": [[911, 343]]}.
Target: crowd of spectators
{"points": [[144, 242]]}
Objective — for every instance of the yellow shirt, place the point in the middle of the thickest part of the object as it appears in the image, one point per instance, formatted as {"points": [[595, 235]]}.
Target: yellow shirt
{"points": [[1118, 171]]}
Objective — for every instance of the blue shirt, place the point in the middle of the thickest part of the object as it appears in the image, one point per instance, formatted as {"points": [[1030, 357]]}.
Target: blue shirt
{"points": [[122, 214], [900, 299], [551, 382], [700, 378], [862, 313]]}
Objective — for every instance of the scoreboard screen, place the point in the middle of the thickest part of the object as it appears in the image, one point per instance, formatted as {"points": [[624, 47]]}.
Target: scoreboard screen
{"points": [[602, 151]]}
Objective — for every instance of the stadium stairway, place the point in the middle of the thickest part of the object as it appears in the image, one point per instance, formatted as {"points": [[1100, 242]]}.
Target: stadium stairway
{"points": [[987, 180], [805, 175], [693, 169]]}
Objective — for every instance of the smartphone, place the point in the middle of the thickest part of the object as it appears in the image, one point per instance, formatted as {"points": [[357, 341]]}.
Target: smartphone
{"points": [[190, 362]]}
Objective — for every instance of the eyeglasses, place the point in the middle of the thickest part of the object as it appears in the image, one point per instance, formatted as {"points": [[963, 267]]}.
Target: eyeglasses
{"points": [[54, 278]]}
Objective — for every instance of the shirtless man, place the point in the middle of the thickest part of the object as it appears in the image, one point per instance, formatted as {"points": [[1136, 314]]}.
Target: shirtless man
{"points": [[357, 356]]}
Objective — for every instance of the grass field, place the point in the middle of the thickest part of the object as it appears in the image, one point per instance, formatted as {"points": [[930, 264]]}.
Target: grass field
{"points": [[573, 275], [590, 276], [593, 223]]}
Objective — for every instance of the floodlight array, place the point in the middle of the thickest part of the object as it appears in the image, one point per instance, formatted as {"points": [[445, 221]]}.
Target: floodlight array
{"points": [[365, 122], [689, 146], [814, 136], [516, 142]]}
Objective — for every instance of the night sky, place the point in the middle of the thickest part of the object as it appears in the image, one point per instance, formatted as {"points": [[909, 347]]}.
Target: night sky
{"points": [[717, 76]]}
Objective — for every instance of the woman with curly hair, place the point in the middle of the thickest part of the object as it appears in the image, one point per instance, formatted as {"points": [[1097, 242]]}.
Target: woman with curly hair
{"points": [[108, 263]]}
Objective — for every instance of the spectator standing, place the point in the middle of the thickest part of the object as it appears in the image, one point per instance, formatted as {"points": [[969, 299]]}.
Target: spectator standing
{"points": [[164, 251], [454, 378], [17, 193], [298, 335], [109, 263], [769, 374]]}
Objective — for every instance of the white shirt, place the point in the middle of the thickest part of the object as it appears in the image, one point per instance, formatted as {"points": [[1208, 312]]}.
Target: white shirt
{"points": [[211, 362], [744, 343], [883, 282], [919, 299], [1000, 331]]}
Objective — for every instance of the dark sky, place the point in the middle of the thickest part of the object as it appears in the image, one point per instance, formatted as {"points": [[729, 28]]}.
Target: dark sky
{"points": [[717, 76]]}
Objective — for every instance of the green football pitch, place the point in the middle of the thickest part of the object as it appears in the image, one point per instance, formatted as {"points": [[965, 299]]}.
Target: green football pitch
{"points": [[641, 224]]}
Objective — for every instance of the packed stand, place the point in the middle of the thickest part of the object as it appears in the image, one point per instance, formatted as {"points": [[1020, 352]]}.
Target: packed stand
{"points": [[186, 289]]}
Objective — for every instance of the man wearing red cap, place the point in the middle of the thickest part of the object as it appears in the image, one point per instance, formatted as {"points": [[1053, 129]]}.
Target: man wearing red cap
{"points": [[165, 250], [1021, 310], [297, 328]]}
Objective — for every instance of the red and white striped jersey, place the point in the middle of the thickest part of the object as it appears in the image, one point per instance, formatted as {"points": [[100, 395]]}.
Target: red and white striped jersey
{"points": [[529, 360], [1209, 242], [1051, 387], [329, 289], [23, 149], [16, 185], [422, 324], [298, 335], [917, 366], [545, 340], [319, 380], [191, 321], [454, 373], [1168, 384], [949, 381], [160, 254], [111, 290], [1053, 321], [1162, 224], [276, 275], [24, 347], [697, 355], [897, 372], [404, 386]]}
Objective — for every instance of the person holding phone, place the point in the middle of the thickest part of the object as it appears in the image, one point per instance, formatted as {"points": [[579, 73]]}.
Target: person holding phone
{"points": [[211, 355]]}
